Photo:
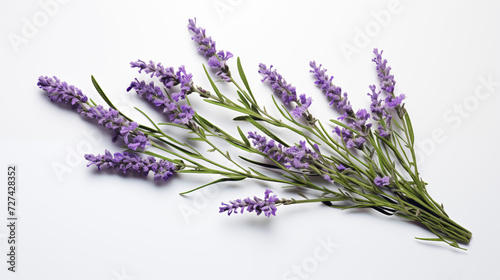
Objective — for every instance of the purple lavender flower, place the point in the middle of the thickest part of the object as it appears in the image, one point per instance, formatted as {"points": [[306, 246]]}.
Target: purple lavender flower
{"points": [[183, 116], [379, 111], [359, 123], [168, 77], [109, 118], [186, 83], [327, 177], [266, 205], [341, 168], [298, 156], [380, 182], [267, 147], [286, 91], [377, 107], [302, 106], [392, 102], [333, 92], [130, 162], [387, 81], [350, 139], [176, 114], [216, 59], [61, 92], [384, 129]]}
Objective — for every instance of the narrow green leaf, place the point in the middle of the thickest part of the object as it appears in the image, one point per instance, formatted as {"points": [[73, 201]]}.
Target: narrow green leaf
{"points": [[259, 163], [282, 111], [226, 179], [244, 118], [243, 100], [234, 108], [244, 79], [239, 146], [267, 132], [101, 92], [174, 124], [257, 172], [243, 137], [410, 129]]}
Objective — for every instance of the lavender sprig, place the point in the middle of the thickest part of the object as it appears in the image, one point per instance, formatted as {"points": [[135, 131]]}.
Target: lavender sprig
{"points": [[287, 93], [127, 162], [110, 118], [257, 205], [387, 83], [216, 59]]}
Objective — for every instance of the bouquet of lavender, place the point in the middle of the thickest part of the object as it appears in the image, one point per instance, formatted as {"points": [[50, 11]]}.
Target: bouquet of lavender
{"points": [[367, 161]]}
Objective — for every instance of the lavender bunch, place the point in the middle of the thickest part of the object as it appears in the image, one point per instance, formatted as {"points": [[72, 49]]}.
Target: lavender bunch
{"points": [[366, 160]]}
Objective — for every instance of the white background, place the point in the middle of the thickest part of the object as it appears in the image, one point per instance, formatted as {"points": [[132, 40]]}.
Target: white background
{"points": [[75, 223]]}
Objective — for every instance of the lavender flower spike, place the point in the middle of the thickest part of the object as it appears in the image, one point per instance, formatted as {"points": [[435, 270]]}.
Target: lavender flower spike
{"points": [[387, 81], [299, 156], [286, 91], [129, 162], [109, 118], [216, 59], [331, 91], [154, 94], [266, 205], [61, 92], [168, 77]]}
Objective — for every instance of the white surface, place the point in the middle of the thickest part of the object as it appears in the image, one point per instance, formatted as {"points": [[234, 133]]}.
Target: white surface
{"points": [[86, 225]]}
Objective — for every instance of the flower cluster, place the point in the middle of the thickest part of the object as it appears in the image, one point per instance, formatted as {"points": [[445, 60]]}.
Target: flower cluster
{"points": [[286, 91], [387, 81], [216, 59], [130, 162], [298, 156], [110, 118], [357, 121], [378, 106], [61, 92], [257, 205], [168, 77], [177, 114], [380, 182], [331, 91]]}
